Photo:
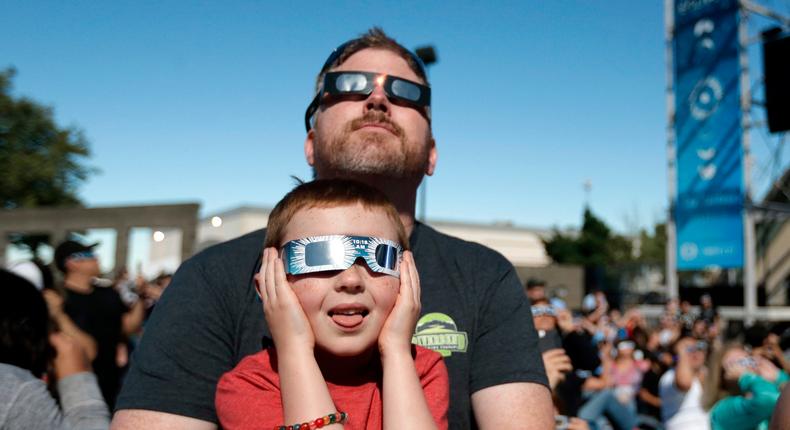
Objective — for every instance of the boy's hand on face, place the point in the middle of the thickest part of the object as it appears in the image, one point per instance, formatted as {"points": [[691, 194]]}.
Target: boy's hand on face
{"points": [[398, 329], [287, 321]]}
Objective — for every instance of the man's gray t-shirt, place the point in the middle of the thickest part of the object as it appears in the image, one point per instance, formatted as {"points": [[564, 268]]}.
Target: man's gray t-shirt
{"points": [[474, 312]]}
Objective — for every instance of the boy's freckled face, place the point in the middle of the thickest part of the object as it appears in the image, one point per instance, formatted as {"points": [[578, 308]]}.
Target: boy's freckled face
{"points": [[346, 309]]}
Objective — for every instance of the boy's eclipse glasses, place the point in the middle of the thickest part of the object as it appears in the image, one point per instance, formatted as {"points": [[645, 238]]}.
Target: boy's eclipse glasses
{"points": [[339, 252], [352, 83]]}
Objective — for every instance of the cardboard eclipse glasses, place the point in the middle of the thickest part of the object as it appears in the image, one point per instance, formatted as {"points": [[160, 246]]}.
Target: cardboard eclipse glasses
{"points": [[350, 83], [339, 252]]}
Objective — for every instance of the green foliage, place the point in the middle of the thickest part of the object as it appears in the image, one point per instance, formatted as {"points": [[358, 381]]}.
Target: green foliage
{"points": [[595, 245], [42, 164], [30, 241], [563, 249], [653, 250]]}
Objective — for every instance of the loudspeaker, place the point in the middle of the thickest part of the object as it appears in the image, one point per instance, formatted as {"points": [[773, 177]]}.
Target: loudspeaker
{"points": [[776, 66]]}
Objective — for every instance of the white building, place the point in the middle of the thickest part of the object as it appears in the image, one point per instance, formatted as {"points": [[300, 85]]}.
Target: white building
{"points": [[522, 246]]}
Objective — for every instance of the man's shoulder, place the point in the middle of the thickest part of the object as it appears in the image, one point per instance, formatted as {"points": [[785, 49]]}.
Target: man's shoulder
{"points": [[231, 252], [251, 242], [228, 263], [455, 246]]}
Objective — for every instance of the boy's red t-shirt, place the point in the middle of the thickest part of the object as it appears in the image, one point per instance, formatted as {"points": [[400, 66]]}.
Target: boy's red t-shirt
{"points": [[248, 397]]}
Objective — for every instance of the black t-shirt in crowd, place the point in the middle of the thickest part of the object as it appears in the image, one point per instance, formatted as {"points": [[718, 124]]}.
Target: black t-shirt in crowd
{"points": [[474, 312], [583, 353], [709, 315], [650, 383], [99, 313]]}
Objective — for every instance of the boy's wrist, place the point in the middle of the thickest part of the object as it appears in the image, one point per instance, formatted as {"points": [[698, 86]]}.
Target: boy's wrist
{"points": [[294, 349], [395, 352]]}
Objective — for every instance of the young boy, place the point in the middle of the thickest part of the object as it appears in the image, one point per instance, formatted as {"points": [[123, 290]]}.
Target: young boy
{"points": [[341, 297]]}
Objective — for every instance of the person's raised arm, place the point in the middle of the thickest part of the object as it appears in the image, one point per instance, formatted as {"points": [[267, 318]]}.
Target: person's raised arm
{"points": [[557, 364], [82, 406], [132, 320], [759, 402], [402, 390], [684, 372]]}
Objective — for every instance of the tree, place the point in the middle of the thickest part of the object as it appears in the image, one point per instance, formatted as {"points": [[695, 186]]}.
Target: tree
{"points": [[607, 257], [42, 164], [653, 249], [595, 245]]}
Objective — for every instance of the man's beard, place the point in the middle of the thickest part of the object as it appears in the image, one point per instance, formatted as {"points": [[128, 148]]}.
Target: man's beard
{"points": [[371, 153]]}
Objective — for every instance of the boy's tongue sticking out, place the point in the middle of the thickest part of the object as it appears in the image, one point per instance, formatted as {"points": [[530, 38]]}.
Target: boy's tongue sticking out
{"points": [[348, 316]]}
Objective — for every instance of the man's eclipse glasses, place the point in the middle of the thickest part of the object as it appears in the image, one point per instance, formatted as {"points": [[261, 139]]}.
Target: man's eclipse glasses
{"points": [[352, 83]]}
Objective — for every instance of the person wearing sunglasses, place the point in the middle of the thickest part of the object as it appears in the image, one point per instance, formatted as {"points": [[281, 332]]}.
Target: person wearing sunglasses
{"points": [[341, 297], [370, 120], [741, 389], [680, 388], [96, 310]]}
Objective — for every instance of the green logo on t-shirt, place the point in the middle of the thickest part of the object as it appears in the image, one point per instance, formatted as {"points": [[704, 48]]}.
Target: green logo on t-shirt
{"points": [[438, 332]]}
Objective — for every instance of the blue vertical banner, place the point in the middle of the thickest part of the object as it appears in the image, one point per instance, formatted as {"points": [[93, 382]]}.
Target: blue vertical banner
{"points": [[710, 191]]}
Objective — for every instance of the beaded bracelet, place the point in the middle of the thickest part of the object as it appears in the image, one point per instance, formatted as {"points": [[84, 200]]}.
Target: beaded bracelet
{"points": [[336, 418]]}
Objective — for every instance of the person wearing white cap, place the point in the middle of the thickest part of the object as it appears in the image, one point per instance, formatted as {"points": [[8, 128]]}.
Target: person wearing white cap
{"points": [[99, 311], [30, 271]]}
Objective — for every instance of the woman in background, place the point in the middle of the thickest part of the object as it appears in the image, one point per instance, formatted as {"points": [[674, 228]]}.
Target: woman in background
{"points": [[27, 352], [741, 390]]}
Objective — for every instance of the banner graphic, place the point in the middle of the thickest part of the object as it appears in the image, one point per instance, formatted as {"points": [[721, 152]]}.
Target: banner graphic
{"points": [[710, 191]]}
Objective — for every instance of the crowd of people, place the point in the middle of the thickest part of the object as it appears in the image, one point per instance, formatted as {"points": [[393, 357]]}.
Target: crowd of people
{"points": [[607, 368], [685, 370], [72, 337]]}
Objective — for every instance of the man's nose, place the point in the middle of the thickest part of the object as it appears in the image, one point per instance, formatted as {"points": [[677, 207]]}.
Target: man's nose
{"points": [[377, 100]]}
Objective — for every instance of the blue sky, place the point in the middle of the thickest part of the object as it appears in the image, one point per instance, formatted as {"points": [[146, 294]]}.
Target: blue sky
{"points": [[204, 101]]}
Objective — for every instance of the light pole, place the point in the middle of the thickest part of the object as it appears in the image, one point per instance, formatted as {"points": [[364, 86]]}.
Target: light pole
{"points": [[426, 53]]}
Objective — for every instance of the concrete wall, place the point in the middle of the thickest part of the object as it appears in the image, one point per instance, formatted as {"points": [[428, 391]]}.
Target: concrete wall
{"points": [[59, 222]]}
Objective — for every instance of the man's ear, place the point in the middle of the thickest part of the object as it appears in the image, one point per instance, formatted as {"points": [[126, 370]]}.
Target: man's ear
{"points": [[308, 147], [433, 155]]}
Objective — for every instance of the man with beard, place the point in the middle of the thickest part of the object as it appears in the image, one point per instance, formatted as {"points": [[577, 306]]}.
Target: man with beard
{"points": [[369, 121]]}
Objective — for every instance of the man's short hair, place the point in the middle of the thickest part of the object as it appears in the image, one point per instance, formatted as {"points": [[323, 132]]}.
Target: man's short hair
{"points": [[541, 302], [329, 193], [375, 38], [534, 282]]}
